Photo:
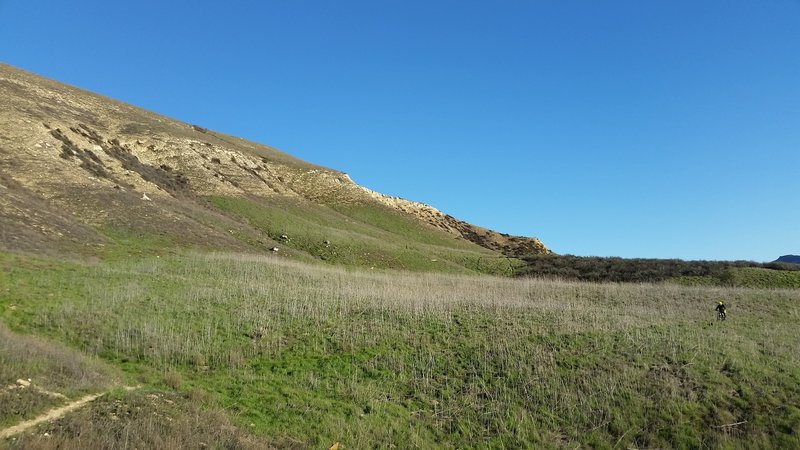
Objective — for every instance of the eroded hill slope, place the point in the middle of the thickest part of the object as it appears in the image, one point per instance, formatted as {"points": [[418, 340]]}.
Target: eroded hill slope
{"points": [[78, 169]]}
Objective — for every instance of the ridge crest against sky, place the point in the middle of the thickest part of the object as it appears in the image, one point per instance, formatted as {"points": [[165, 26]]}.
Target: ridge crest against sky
{"points": [[619, 128]]}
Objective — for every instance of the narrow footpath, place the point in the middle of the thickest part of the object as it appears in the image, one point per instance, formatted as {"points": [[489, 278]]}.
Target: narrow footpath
{"points": [[52, 414]]}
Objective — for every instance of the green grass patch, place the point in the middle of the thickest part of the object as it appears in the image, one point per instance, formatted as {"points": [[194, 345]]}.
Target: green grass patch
{"points": [[310, 355], [748, 277], [755, 277], [127, 243], [356, 236]]}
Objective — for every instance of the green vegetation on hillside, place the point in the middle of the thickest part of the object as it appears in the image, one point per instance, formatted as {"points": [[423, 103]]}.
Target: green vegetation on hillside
{"points": [[304, 356], [641, 270], [756, 277], [363, 236]]}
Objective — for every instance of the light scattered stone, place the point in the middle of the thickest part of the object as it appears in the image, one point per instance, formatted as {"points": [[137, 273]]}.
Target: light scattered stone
{"points": [[145, 197]]}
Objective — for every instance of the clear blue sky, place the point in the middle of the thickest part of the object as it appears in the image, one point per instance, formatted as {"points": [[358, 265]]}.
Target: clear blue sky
{"points": [[615, 128]]}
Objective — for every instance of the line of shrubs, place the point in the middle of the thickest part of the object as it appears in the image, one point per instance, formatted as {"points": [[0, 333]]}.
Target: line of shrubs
{"points": [[636, 270]]}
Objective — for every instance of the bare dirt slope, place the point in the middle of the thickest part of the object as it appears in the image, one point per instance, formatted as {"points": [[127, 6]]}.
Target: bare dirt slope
{"points": [[73, 163]]}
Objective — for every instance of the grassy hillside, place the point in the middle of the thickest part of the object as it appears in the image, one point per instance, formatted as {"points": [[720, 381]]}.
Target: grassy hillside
{"points": [[762, 278], [303, 356], [362, 236], [752, 277]]}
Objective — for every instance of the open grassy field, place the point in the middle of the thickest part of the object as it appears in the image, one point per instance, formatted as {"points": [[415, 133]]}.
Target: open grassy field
{"points": [[291, 355]]}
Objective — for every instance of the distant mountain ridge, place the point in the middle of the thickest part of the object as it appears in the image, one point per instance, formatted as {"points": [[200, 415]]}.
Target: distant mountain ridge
{"points": [[76, 166], [794, 259]]}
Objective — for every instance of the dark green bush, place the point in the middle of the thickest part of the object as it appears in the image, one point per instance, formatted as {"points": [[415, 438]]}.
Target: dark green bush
{"points": [[636, 270]]}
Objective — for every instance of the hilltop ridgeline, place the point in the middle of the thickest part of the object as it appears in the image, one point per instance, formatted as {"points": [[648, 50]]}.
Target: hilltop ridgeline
{"points": [[792, 259], [76, 168]]}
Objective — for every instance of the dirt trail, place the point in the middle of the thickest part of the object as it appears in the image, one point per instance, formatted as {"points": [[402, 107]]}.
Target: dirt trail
{"points": [[52, 414]]}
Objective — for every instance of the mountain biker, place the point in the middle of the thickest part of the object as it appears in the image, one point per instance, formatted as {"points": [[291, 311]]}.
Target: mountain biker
{"points": [[720, 309]]}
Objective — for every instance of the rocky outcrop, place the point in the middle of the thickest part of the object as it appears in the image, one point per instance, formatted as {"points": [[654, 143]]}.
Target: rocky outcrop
{"points": [[512, 246]]}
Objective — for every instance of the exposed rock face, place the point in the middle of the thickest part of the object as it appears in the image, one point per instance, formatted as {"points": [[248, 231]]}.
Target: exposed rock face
{"points": [[72, 161], [515, 246]]}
